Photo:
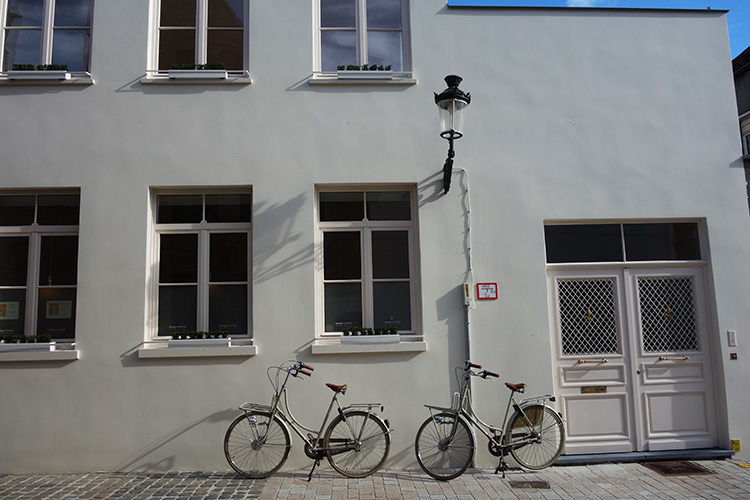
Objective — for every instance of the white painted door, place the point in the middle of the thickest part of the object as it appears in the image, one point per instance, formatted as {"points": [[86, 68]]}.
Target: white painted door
{"points": [[632, 359]]}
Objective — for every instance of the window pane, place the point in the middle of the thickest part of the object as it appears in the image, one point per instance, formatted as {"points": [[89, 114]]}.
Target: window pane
{"points": [[384, 14], [228, 257], [58, 260], [16, 210], [178, 258], [25, 13], [228, 207], [56, 315], [12, 312], [343, 306], [59, 210], [176, 47], [226, 13], [337, 48], [337, 13], [392, 305], [14, 255], [227, 308], [71, 47], [72, 12], [384, 48], [668, 241], [342, 256], [341, 207], [179, 208], [388, 205], [583, 243], [226, 46], [22, 47], [390, 254], [178, 309], [178, 13]]}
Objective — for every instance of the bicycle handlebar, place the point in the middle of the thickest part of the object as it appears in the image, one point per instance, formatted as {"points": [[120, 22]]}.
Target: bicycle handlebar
{"points": [[305, 372], [468, 365]]}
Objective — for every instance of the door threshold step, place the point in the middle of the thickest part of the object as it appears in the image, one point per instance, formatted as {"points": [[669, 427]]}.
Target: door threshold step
{"points": [[644, 456]]}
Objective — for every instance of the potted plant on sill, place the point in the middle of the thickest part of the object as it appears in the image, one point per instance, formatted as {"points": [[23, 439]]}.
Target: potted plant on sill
{"points": [[366, 335], [39, 72], [209, 71], [359, 72], [42, 342], [200, 339]]}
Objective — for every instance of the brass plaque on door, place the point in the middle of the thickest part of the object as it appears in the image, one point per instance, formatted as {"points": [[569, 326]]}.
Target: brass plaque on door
{"points": [[594, 389]]}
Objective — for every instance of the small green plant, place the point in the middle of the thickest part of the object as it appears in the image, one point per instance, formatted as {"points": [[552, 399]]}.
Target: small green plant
{"points": [[40, 67], [363, 67], [193, 335], [209, 66], [26, 339]]}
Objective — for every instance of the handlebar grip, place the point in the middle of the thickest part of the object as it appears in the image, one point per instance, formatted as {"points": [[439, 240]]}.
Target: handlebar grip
{"points": [[306, 372], [492, 374], [473, 365], [309, 368]]}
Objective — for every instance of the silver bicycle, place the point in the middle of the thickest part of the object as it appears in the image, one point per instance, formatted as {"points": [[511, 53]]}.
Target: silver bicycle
{"points": [[257, 443], [534, 434]]}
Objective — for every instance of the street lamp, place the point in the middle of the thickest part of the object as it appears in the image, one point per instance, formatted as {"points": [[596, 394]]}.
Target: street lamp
{"points": [[451, 103]]}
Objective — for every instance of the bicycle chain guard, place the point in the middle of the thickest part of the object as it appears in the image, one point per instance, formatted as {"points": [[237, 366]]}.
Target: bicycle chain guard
{"points": [[495, 447]]}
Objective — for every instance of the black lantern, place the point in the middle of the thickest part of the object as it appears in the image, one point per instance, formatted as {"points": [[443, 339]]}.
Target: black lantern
{"points": [[451, 103]]}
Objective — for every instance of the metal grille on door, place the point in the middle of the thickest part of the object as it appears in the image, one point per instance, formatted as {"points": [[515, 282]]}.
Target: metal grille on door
{"points": [[668, 321], [588, 320]]}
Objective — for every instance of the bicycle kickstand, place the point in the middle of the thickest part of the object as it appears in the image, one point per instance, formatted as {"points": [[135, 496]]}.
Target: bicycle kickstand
{"points": [[502, 466], [315, 464]]}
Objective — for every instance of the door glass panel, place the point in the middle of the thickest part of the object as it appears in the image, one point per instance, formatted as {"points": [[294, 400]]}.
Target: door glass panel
{"points": [[667, 241], [343, 306], [56, 315], [16, 210], [667, 314], [178, 258], [178, 309], [179, 208], [227, 308], [388, 205], [73, 13], [228, 257], [588, 317], [390, 254], [58, 261], [59, 209], [14, 252], [341, 207], [384, 14], [337, 13], [342, 255], [228, 207], [392, 305], [583, 243], [12, 312]]}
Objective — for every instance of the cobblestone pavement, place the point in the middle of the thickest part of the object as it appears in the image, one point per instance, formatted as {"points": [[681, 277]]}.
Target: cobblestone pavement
{"points": [[726, 480]]}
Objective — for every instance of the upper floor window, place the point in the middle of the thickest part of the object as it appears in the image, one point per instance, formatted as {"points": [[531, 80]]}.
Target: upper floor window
{"points": [[47, 32], [363, 32], [201, 261], [368, 275], [39, 264], [201, 32]]}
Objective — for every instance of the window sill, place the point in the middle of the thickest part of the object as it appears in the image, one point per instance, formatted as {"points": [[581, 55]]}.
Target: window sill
{"points": [[334, 346], [196, 77], [29, 78], [55, 351], [160, 349], [362, 78]]}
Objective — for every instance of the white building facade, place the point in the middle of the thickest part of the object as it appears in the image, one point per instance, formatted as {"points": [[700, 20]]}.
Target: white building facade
{"points": [[267, 193]]}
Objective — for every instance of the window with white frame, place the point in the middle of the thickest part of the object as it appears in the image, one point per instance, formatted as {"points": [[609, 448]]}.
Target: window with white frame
{"points": [[47, 32], [746, 145], [201, 259], [367, 273], [361, 33], [207, 34], [39, 264]]}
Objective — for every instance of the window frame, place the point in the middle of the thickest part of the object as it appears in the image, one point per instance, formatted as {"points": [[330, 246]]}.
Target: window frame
{"points": [[366, 228], [47, 29], [154, 74], [204, 230], [401, 76], [35, 233]]}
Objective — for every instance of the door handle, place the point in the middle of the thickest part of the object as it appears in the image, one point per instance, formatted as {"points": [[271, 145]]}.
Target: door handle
{"points": [[679, 358], [592, 361]]}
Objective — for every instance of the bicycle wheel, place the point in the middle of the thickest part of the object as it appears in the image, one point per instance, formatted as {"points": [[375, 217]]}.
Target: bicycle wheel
{"points": [[538, 436], [256, 445], [442, 452], [358, 445]]}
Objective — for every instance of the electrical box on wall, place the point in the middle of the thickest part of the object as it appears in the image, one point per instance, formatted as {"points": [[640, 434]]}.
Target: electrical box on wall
{"points": [[467, 294]]}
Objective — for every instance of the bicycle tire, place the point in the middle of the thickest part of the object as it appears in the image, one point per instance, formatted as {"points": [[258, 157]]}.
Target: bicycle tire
{"points": [[545, 428], [440, 457], [256, 445], [357, 456]]}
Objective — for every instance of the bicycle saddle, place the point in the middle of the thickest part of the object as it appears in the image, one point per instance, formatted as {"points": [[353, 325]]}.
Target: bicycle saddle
{"points": [[515, 387], [337, 388]]}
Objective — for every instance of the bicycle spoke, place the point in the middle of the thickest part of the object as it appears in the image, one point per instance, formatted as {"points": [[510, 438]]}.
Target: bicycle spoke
{"points": [[256, 445], [441, 455], [357, 446]]}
